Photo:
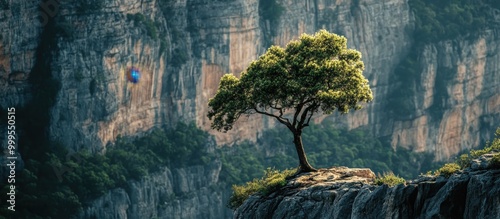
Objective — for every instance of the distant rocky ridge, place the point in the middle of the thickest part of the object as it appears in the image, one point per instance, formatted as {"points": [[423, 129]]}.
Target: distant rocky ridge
{"points": [[169, 193], [202, 40], [341, 192], [183, 48]]}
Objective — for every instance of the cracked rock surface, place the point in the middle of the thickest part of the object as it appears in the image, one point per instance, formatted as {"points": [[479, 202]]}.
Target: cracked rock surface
{"points": [[342, 192]]}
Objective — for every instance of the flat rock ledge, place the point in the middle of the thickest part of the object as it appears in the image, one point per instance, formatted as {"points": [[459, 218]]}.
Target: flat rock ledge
{"points": [[342, 192]]}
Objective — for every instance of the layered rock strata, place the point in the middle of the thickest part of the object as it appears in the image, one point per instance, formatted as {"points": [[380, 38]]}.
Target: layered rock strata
{"points": [[349, 193]]}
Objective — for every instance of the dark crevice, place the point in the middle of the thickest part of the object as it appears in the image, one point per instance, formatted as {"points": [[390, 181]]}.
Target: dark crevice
{"points": [[35, 116], [454, 205]]}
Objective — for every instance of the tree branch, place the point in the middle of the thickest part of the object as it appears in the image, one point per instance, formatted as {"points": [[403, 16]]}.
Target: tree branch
{"points": [[282, 120], [304, 115], [297, 111], [308, 119], [275, 106]]}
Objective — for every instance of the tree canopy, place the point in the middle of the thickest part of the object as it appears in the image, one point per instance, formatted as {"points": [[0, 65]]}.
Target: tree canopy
{"points": [[314, 73]]}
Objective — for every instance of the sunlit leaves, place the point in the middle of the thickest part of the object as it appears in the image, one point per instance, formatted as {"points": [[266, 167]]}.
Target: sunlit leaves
{"points": [[312, 73]]}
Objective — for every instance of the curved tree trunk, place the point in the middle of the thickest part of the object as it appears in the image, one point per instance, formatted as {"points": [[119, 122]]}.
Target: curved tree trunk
{"points": [[304, 164]]}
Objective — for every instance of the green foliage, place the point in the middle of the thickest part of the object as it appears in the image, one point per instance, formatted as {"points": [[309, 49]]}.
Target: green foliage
{"points": [[271, 10], [490, 146], [312, 73], [71, 179], [448, 169], [402, 103], [440, 20], [464, 160], [179, 57], [436, 21], [389, 179], [270, 182], [139, 19], [329, 147]]}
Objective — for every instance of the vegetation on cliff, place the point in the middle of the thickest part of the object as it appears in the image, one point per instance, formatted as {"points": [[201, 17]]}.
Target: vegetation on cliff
{"points": [[241, 193], [465, 160], [440, 20], [270, 182], [270, 11], [329, 147], [69, 179], [316, 73], [436, 21], [389, 179]]}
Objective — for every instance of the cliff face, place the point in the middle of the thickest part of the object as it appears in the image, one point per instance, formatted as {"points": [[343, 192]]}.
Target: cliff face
{"points": [[182, 48], [459, 97], [348, 193], [190, 192], [18, 43]]}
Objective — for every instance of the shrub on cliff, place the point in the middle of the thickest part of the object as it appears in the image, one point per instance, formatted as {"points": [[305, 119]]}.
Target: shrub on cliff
{"points": [[448, 169], [270, 182], [465, 160], [389, 179]]}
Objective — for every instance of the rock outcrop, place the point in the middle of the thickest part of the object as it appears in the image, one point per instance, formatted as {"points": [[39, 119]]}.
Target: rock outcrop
{"points": [[459, 97], [191, 192], [183, 47], [350, 193]]}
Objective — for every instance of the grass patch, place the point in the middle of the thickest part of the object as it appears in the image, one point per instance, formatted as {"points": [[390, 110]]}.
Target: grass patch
{"points": [[389, 179], [464, 160], [270, 182], [447, 170]]}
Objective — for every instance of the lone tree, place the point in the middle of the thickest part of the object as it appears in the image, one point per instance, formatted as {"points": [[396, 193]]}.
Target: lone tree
{"points": [[291, 84]]}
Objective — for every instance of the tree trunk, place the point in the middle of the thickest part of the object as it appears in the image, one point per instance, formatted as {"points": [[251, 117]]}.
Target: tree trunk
{"points": [[304, 165]]}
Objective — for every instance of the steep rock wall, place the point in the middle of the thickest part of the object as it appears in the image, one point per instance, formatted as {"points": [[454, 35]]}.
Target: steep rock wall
{"points": [[96, 102], [349, 193], [191, 192], [196, 42], [458, 100], [380, 30], [21, 28]]}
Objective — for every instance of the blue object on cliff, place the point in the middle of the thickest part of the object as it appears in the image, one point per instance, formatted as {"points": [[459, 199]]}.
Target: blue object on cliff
{"points": [[133, 75]]}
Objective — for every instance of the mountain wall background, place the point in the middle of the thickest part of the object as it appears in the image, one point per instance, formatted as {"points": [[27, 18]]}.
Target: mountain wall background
{"points": [[79, 51]]}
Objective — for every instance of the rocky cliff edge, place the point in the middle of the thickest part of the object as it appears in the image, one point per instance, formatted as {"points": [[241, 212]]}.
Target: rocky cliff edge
{"points": [[342, 192]]}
